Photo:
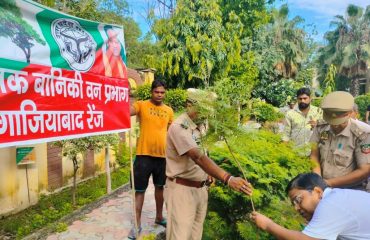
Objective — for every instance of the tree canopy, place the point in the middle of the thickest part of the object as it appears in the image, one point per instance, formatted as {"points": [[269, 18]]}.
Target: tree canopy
{"points": [[348, 46], [19, 31]]}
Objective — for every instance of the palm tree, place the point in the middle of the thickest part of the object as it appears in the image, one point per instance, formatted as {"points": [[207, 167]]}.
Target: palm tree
{"points": [[290, 40], [348, 45]]}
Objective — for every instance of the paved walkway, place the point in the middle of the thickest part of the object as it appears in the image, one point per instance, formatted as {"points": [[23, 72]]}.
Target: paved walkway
{"points": [[113, 220]]}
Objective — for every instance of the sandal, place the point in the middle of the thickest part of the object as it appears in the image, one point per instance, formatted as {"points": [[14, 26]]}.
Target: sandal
{"points": [[163, 222], [132, 234]]}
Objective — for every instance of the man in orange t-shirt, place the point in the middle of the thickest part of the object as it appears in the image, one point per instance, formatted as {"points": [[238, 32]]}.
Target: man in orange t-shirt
{"points": [[155, 118]]}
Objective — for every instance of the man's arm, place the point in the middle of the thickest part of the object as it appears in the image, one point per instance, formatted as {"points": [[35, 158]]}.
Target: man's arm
{"points": [[361, 173], [315, 156], [132, 110], [367, 116], [287, 129], [210, 167], [276, 230]]}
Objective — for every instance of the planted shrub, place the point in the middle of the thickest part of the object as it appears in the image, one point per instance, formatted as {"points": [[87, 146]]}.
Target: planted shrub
{"points": [[269, 166]]}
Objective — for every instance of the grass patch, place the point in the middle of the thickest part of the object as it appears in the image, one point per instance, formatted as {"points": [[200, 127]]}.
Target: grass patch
{"points": [[55, 206]]}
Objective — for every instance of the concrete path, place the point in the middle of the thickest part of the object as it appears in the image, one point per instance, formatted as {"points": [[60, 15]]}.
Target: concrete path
{"points": [[113, 220]]}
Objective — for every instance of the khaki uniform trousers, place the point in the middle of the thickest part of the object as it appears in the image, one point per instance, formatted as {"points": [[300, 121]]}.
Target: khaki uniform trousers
{"points": [[186, 211]]}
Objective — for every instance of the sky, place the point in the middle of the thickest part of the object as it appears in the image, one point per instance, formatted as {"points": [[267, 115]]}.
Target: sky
{"points": [[316, 12], [320, 12]]}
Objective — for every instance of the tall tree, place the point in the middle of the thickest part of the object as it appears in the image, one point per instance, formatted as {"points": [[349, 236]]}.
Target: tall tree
{"points": [[290, 40], [19, 31], [348, 45], [253, 14], [197, 45], [282, 49]]}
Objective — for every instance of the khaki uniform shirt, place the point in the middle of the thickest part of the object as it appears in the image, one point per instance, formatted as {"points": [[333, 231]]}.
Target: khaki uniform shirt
{"points": [[341, 154], [182, 136]]}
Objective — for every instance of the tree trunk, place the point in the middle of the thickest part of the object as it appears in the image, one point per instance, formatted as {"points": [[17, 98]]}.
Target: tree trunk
{"points": [[355, 86], [28, 55], [25, 53], [74, 188], [107, 170]]}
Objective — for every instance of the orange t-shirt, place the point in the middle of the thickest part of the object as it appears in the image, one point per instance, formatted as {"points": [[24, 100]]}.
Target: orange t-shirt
{"points": [[154, 121]]}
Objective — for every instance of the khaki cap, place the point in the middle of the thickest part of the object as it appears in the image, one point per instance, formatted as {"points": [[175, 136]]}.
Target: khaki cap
{"points": [[335, 106]]}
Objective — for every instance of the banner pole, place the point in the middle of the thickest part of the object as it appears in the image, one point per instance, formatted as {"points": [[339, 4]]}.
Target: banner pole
{"points": [[133, 185]]}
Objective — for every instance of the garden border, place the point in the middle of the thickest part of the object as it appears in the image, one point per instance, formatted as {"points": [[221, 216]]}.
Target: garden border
{"points": [[43, 233]]}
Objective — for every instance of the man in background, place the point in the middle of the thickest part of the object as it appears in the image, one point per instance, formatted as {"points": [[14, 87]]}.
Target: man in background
{"points": [[300, 121], [355, 118], [367, 114]]}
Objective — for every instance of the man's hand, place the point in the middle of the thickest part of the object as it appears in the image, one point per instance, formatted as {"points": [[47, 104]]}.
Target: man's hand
{"points": [[241, 185], [313, 123], [261, 220], [275, 229]]}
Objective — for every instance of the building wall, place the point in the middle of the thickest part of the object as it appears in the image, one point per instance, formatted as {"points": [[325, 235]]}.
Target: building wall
{"points": [[13, 180], [48, 166], [148, 77]]}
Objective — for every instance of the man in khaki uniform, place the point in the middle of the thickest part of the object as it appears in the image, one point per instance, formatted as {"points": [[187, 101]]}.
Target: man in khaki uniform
{"points": [[341, 147], [187, 170]]}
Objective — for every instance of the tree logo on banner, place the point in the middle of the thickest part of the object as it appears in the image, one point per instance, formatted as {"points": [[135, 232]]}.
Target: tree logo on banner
{"points": [[76, 45]]}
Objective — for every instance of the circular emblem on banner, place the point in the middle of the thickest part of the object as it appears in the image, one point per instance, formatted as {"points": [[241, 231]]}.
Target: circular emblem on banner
{"points": [[76, 45]]}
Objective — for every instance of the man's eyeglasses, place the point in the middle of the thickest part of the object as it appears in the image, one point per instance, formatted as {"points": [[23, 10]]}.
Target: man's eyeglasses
{"points": [[297, 200]]}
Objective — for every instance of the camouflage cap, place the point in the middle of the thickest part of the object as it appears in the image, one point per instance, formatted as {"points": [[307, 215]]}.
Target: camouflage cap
{"points": [[336, 105]]}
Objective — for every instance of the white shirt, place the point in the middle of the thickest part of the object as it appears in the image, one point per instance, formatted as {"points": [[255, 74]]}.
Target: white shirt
{"points": [[364, 126], [342, 214]]}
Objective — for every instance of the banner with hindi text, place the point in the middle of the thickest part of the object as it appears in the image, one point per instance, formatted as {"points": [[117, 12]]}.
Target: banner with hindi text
{"points": [[61, 77]]}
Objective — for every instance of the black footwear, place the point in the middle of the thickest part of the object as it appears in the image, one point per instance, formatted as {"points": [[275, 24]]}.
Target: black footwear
{"points": [[163, 222]]}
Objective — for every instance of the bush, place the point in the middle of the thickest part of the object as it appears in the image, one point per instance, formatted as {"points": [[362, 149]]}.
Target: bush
{"points": [[316, 101], [143, 92], [362, 101], [176, 99], [122, 153], [60, 227], [277, 93], [269, 165], [263, 112]]}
